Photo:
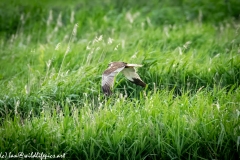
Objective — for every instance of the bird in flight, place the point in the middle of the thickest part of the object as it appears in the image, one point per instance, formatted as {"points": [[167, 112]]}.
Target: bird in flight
{"points": [[114, 68]]}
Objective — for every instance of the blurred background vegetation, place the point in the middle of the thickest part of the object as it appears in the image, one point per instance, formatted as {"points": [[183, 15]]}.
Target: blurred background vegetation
{"points": [[34, 13], [157, 30]]}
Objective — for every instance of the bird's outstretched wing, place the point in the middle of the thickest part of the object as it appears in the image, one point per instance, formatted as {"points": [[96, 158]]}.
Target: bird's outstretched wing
{"points": [[133, 65], [130, 74], [108, 77]]}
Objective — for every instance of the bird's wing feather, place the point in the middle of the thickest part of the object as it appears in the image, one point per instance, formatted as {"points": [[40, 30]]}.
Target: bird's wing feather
{"points": [[134, 65], [130, 74], [108, 79]]}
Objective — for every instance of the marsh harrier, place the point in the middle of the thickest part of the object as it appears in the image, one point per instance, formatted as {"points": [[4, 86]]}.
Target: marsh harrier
{"points": [[114, 68]]}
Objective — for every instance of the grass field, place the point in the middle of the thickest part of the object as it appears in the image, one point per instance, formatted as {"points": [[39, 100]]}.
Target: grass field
{"points": [[52, 56]]}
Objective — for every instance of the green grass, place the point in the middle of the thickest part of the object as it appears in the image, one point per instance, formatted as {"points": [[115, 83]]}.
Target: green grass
{"points": [[52, 58]]}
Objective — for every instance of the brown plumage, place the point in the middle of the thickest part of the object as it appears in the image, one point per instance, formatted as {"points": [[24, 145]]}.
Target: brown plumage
{"points": [[116, 67]]}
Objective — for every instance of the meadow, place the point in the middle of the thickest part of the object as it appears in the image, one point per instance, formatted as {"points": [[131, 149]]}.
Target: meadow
{"points": [[53, 54]]}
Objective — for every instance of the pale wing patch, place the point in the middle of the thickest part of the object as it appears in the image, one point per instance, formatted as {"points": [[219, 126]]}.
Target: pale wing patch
{"points": [[134, 65], [130, 73]]}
